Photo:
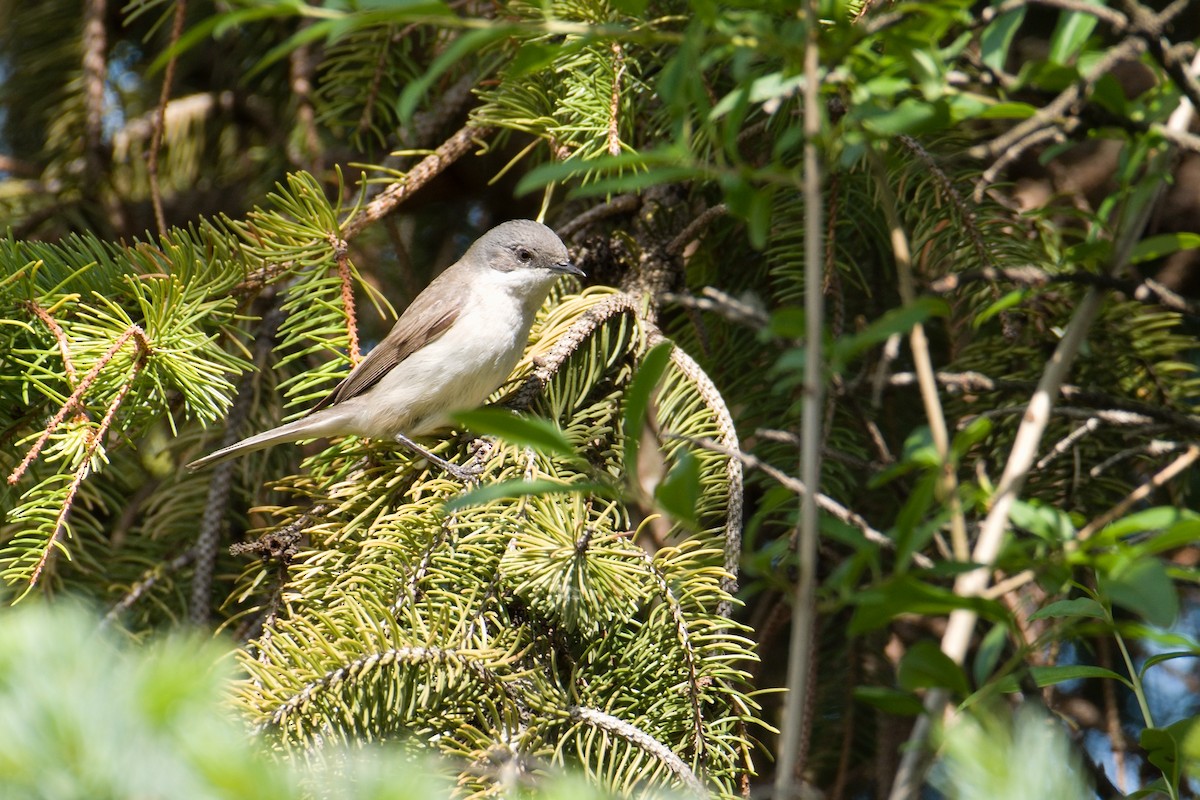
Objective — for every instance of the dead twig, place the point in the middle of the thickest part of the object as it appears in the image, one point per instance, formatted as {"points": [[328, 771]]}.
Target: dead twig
{"points": [[426, 170]]}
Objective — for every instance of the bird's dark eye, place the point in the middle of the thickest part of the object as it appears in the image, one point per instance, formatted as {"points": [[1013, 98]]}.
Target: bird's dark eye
{"points": [[524, 255]]}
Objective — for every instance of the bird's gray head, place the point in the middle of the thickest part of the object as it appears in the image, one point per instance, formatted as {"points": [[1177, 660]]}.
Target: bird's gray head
{"points": [[523, 245]]}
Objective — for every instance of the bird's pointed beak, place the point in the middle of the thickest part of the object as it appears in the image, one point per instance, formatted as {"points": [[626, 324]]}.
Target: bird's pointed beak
{"points": [[568, 268]]}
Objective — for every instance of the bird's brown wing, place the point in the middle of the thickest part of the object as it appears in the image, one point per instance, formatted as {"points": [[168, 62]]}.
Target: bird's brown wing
{"points": [[420, 324]]}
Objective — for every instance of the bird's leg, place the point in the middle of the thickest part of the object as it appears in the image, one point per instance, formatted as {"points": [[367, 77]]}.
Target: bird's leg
{"points": [[464, 474], [480, 450]]}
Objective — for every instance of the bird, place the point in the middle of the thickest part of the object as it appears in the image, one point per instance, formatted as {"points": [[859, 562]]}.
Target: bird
{"points": [[457, 341]]}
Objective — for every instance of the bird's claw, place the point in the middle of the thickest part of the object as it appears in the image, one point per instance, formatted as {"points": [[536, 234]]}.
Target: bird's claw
{"points": [[467, 473]]}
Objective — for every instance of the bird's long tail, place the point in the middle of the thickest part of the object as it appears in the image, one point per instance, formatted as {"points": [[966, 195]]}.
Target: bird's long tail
{"points": [[322, 423]]}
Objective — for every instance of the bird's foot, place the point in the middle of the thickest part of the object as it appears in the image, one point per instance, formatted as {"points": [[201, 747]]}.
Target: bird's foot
{"points": [[467, 473]]}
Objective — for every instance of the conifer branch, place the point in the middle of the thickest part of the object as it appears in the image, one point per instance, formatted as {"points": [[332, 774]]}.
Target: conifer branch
{"points": [[151, 577], [95, 440], [685, 648], [216, 505], [407, 593], [643, 741], [695, 228], [621, 204], [280, 544], [727, 431], [548, 366], [133, 332], [976, 383], [396, 656]]}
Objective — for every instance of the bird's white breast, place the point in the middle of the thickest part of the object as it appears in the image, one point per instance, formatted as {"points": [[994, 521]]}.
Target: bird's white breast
{"points": [[460, 368]]}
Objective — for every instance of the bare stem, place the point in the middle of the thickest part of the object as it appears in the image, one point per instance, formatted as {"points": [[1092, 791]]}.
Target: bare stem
{"points": [[160, 117], [804, 602]]}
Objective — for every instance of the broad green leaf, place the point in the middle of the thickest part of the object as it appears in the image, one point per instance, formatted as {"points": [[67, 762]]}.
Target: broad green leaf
{"points": [[1047, 522], [997, 38], [1009, 300], [888, 700], [1051, 676], [1150, 519], [637, 401], [523, 488], [988, 654], [1163, 244], [679, 492], [787, 323], [1161, 657], [975, 432], [1076, 607], [1162, 750], [909, 532], [768, 87], [919, 451], [925, 666], [525, 431], [1142, 585], [906, 594], [1070, 34], [1009, 111], [896, 321], [466, 44], [1156, 789], [910, 116]]}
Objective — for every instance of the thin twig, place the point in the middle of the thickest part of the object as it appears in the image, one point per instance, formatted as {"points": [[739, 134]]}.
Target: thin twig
{"points": [[60, 337], [614, 115], [95, 43], [1167, 473], [1108, 406], [1146, 290], [1157, 481], [95, 440], [152, 576], [799, 675], [340, 251], [695, 227], [1054, 114], [621, 204], [133, 332], [1155, 447], [826, 503], [722, 303], [643, 741], [1110, 16], [926, 382], [428, 168], [160, 117]]}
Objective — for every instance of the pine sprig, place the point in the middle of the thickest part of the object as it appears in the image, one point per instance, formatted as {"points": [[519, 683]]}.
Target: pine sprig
{"points": [[397, 598]]}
